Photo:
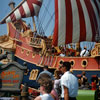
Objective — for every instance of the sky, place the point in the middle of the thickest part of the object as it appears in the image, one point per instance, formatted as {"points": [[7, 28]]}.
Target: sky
{"points": [[5, 10]]}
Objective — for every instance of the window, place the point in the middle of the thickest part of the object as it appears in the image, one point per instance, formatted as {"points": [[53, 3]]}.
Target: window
{"points": [[33, 74]]}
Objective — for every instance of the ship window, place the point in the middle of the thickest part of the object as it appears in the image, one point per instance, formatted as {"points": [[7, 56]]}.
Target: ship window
{"points": [[72, 63], [27, 53], [84, 63], [22, 51], [33, 55], [0, 51], [33, 74]]}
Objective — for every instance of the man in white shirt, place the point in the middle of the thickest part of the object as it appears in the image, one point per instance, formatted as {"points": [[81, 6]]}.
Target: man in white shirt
{"points": [[69, 83], [84, 52]]}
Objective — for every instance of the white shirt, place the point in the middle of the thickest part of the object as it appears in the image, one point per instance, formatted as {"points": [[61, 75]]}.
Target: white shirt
{"points": [[84, 53], [56, 83], [70, 81], [62, 55], [46, 97]]}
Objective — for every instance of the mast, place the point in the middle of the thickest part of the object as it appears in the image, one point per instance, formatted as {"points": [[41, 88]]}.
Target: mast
{"points": [[78, 49], [34, 25]]}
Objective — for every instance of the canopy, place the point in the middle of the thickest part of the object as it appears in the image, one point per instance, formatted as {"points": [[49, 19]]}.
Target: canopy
{"points": [[76, 21]]}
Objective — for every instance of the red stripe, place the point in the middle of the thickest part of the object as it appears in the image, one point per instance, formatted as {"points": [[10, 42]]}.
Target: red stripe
{"points": [[69, 22], [92, 18], [13, 17], [82, 22], [22, 12], [55, 36], [30, 7]]}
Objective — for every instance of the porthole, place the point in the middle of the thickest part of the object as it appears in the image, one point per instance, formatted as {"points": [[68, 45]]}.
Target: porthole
{"points": [[33, 55], [84, 63], [27, 53], [72, 63], [22, 51]]}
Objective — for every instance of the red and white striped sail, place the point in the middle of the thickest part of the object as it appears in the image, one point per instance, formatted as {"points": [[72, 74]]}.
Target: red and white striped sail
{"points": [[76, 21], [27, 8]]}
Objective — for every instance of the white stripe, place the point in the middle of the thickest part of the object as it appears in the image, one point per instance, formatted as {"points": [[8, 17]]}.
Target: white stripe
{"points": [[87, 21], [40, 0], [8, 19], [76, 24], [98, 4], [36, 9], [26, 9], [17, 14], [62, 22], [97, 16]]}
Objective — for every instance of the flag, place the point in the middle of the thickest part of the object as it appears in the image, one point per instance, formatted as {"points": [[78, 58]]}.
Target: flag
{"points": [[26, 9]]}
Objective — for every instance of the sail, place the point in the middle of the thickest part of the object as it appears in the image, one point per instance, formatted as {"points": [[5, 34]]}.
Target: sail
{"points": [[76, 21], [27, 8]]}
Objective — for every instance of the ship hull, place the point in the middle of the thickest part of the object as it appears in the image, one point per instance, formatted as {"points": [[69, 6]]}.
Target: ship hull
{"points": [[92, 67], [25, 52]]}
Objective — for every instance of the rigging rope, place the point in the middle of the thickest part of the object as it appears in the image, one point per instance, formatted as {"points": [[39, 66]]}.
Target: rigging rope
{"points": [[43, 18]]}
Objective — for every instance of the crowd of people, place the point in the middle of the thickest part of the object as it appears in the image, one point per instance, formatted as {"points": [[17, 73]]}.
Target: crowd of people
{"points": [[62, 86], [84, 84], [72, 52]]}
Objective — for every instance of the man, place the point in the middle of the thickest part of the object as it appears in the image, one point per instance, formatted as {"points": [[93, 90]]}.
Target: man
{"points": [[45, 70], [84, 52], [97, 94], [69, 83]]}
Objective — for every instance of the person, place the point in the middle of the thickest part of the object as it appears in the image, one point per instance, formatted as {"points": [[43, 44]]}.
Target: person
{"points": [[69, 83], [83, 79], [46, 86], [97, 94], [57, 86], [53, 92], [93, 85], [45, 70], [62, 54], [94, 82], [84, 52]]}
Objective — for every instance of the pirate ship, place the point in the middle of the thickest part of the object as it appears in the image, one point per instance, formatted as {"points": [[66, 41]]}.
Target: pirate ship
{"points": [[75, 21]]}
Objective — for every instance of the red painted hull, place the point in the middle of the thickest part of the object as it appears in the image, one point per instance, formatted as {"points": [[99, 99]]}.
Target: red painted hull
{"points": [[27, 53]]}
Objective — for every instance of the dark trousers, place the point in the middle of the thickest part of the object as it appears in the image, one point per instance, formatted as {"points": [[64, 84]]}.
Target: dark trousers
{"points": [[70, 98]]}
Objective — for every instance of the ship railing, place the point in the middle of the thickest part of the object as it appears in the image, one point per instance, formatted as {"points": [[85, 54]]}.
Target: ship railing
{"points": [[35, 41]]}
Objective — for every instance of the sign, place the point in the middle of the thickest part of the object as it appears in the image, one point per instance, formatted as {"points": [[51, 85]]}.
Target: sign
{"points": [[11, 76]]}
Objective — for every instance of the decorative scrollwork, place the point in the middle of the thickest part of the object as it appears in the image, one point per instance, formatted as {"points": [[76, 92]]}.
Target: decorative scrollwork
{"points": [[33, 74]]}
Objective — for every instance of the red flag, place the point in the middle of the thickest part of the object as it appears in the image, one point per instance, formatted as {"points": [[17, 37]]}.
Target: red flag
{"points": [[27, 8]]}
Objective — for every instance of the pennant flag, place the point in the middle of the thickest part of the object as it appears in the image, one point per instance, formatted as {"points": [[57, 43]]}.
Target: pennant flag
{"points": [[26, 9]]}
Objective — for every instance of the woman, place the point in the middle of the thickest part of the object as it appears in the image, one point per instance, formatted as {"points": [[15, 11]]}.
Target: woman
{"points": [[46, 86]]}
